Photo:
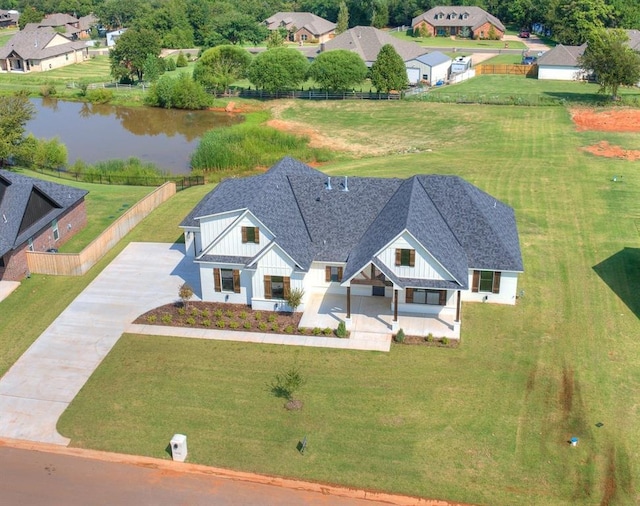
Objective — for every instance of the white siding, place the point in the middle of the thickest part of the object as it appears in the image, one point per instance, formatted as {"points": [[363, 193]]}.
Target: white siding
{"points": [[231, 241], [315, 282], [274, 263], [560, 73], [507, 295], [448, 309], [426, 267], [208, 287], [439, 72], [211, 227]]}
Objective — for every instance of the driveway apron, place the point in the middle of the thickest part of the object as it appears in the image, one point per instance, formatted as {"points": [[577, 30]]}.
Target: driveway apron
{"points": [[46, 378]]}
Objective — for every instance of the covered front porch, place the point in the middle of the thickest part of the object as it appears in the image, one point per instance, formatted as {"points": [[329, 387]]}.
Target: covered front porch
{"points": [[371, 315]]}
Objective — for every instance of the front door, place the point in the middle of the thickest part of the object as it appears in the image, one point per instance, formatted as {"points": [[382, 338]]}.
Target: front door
{"points": [[378, 291]]}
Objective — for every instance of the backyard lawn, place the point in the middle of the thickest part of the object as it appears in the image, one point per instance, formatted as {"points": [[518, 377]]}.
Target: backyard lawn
{"points": [[448, 42], [487, 422]]}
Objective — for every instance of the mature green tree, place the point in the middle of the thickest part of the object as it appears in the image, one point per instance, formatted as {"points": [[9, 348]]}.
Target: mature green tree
{"points": [[121, 13], [30, 15], [388, 72], [613, 62], [153, 67], [575, 20], [277, 38], [221, 66], [380, 15], [338, 70], [238, 28], [15, 111], [342, 25], [278, 69], [180, 92], [131, 51]]}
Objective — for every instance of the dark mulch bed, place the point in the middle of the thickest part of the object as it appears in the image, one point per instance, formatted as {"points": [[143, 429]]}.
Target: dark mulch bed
{"points": [[217, 315], [441, 342]]}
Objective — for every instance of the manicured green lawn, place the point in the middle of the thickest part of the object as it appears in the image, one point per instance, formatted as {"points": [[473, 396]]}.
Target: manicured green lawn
{"points": [[488, 422], [40, 299], [448, 42]]}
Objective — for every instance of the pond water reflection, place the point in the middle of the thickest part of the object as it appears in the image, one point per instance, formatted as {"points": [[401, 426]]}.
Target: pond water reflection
{"points": [[94, 132]]}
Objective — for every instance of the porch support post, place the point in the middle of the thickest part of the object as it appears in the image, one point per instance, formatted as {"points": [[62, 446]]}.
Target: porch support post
{"points": [[348, 303], [394, 322], [458, 308]]}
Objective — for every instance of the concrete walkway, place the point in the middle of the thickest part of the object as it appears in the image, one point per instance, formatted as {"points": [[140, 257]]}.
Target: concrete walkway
{"points": [[7, 287], [42, 383]]}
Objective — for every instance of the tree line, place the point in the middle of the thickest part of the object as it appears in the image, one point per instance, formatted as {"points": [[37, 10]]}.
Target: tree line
{"points": [[207, 23]]}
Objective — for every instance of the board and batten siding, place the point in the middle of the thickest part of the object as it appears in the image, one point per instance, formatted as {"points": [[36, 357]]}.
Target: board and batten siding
{"points": [[426, 267], [506, 295], [212, 226], [315, 280], [230, 243], [274, 263], [208, 285]]}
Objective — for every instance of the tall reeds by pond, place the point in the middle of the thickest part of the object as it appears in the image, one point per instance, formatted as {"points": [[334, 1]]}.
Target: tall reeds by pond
{"points": [[247, 146]]}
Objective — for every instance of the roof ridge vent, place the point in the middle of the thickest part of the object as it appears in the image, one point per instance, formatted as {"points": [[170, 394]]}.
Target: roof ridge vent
{"points": [[345, 187], [328, 183]]}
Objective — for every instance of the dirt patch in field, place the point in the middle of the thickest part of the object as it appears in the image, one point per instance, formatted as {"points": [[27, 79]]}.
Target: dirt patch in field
{"points": [[603, 148], [610, 120]]}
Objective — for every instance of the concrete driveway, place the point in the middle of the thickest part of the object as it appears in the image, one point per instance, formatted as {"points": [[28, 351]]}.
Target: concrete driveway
{"points": [[46, 378]]}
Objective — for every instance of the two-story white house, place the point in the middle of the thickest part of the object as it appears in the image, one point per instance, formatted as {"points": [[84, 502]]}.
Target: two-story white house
{"points": [[426, 243]]}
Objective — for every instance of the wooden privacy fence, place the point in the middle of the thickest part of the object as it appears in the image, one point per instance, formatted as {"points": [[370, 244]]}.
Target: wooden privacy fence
{"points": [[77, 264], [517, 70]]}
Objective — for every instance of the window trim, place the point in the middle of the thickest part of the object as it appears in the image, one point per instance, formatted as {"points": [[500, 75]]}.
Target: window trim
{"points": [[477, 278], [56, 230], [329, 277], [217, 280], [268, 291], [410, 292]]}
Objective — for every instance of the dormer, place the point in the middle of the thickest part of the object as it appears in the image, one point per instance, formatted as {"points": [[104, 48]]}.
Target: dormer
{"points": [[464, 15], [453, 15], [439, 15]]}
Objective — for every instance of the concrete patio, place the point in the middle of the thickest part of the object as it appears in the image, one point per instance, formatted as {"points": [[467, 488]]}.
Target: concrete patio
{"points": [[371, 315]]}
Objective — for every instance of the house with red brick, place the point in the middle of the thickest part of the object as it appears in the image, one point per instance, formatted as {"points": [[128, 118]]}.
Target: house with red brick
{"points": [[35, 215], [459, 21], [302, 26]]}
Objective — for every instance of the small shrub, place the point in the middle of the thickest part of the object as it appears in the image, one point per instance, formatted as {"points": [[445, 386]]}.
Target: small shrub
{"points": [[271, 318], [327, 331], [247, 325], [341, 331], [218, 313], [190, 321], [262, 326], [228, 313], [169, 64], [429, 337], [48, 90], [258, 315], [185, 292], [206, 322], [444, 341], [243, 315], [167, 318], [288, 329], [181, 311], [99, 96], [400, 336], [195, 312], [234, 325], [316, 331], [181, 61], [152, 318], [206, 313], [221, 324], [275, 327]]}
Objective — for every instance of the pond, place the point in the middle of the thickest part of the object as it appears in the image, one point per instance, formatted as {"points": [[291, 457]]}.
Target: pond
{"points": [[95, 132]]}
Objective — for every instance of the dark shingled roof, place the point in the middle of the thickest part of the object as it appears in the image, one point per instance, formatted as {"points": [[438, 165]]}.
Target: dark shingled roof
{"points": [[460, 225], [562, 56], [15, 190]]}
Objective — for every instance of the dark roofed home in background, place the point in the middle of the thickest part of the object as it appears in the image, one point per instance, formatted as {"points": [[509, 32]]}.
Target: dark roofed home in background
{"points": [[35, 215], [423, 244]]}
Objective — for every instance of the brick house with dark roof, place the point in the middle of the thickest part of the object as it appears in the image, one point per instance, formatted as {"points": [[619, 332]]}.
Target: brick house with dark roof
{"points": [[35, 215], [426, 243], [445, 21]]}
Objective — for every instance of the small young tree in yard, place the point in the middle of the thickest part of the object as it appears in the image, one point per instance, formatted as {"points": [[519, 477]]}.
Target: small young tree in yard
{"points": [[185, 293], [182, 60], [286, 384], [294, 299], [342, 24], [613, 62], [388, 72]]}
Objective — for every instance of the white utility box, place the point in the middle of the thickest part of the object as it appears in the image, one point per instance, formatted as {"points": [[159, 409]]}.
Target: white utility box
{"points": [[179, 447]]}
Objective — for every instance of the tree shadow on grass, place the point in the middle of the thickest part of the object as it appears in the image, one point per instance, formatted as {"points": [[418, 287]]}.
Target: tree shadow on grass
{"points": [[621, 272]]}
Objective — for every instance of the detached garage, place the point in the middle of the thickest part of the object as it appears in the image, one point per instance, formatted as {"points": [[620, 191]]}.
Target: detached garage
{"points": [[561, 63], [433, 67]]}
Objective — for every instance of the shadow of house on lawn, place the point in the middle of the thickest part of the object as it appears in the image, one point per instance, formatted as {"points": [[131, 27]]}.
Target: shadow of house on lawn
{"points": [[621, 272]]}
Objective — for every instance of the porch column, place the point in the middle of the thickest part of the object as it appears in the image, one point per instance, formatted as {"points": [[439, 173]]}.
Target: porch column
{"points": [[458, 308], [394, 322], [348, 303]]}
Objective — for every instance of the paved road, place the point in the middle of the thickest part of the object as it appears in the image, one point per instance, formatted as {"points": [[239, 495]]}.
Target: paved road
{"points": [[34, 478], [46, 378]]}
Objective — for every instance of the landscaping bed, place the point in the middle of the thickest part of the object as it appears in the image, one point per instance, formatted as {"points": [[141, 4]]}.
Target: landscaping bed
{"points": [[428, 340], [223, 316]]}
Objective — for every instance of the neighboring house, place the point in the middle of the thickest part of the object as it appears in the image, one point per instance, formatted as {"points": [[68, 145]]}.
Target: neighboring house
{"points": [[367, 42], [85, 24], [61, 23], [35, 215], [561, 63], [8, 19], [112, 37], [39, 50], [431, 68], [460, 21], [302, 26], [426, 243]]}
